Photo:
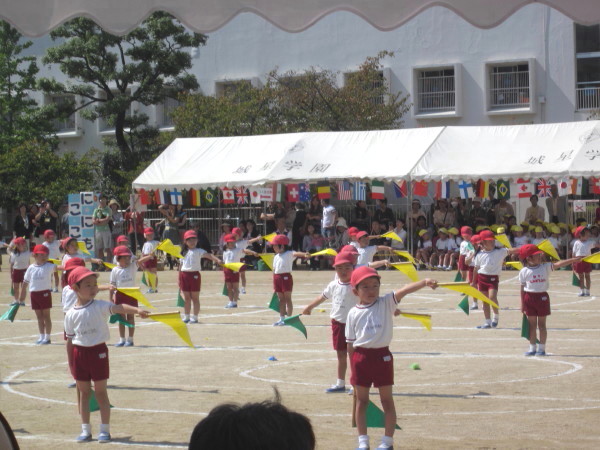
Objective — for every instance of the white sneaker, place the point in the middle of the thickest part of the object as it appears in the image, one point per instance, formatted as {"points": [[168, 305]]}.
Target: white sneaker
{"points": [[279, 323], [193, 320], [351, 390], [581, 294], [243, 290], [231, 305]]}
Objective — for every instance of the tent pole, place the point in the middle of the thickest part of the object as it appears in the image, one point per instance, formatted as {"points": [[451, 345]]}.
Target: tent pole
{"points": [[409, 224]]}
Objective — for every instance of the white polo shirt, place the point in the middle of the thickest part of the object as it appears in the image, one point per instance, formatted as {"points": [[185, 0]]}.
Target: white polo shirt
{"points": [[68, 298], [490, 263], [123, 276], [283, 262], [54, 249], [67, 257], [442, 244], [233, 255], [192, 260], [370, 326], [583, 248], [87, 325], [149, 247], [328, 216], [342, 299], [520, 241], [20, 261], [39, 278], [365, 255], [536, 279]]}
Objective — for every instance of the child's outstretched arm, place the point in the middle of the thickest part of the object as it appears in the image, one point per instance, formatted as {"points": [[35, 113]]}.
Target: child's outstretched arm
{"points": [[413, 287], [566, 262], [301, 255], [143, 259], [376, 264], [383, 248], [128, 309], [254, 239], [250, 252], [213, 258], [316, 302]]}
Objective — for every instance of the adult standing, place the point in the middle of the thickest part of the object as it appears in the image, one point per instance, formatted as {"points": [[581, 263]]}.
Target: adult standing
{"points": [[361, 216], [23, 225], [477, 215], [171, 230], [383, 214], [47, 218], [534, 212], [116, 219], [556, 206], [298, 225], [134, 223], [100, 218], [35, 234], [416, 212], [315, 213], [328, 221]]}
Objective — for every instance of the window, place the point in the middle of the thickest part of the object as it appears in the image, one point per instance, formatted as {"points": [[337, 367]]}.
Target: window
{"points": [[380, 80], [437, 91], [510, 87], [587, 49], [63, 125], [103, 125], [164, 112], [230, 88]]}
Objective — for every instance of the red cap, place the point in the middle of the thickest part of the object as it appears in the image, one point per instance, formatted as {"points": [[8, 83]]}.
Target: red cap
{"points": [[122, 238], [280, 239], [41, 250], [74, 262], [78, 274], [230, 238], [66, 241], [121, 250], [344, 258], [528, 250], [578, 231], [352, 231], [361, 234], [487, 235], [190, 234], [466, 231], [476, 239], [148, 230], [349, 249], [49, 233], [19, 241], [237, 230], [361, 274]]}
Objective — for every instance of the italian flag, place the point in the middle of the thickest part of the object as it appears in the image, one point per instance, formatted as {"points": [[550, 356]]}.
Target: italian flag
{"points": [[377, 189]]}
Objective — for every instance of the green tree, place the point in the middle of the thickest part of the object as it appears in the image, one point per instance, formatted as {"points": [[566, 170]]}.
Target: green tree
{"points": [[113, 73], [20, 117]]}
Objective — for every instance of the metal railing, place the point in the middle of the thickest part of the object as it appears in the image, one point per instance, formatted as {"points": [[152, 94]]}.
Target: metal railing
{"points": [[509, 89], [436, 94], [588, 97]]}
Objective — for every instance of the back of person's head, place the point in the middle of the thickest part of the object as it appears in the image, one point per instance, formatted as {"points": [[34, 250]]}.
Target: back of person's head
{"points": [[254, 426]]}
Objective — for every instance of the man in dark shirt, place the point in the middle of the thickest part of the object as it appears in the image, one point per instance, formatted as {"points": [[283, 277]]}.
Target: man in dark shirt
{"points": [[383, 214]]}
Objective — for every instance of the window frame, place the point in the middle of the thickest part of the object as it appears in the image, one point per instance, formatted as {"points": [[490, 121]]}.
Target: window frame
{"points": [[530, 108], [458, 97]]}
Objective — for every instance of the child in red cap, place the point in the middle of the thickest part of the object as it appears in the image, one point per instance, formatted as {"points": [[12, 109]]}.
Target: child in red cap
{"points": [[54, 252], [149, 248], [369, 330], [339, 291], [366, 252], [583, 247], [38, 278], [243, 244], [535, 301], [233, 254], [19, 256], [87, 331]]}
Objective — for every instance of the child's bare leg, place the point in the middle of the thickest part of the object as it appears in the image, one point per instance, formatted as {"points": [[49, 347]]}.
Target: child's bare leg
{"points": [[235, 287], [16, 290], [533, 322], [56, 283], [288, 303], [187, 302], [103, 403], [22, 294], [342, 357], [543, 331], [84, 388], [389, 409], [230, 292], [362, 401], [122, 328], [282, 305], [581, 277], [494, 297], [588, 281], [154, 272], [47, 321], [40, 320], [131, 319], [196, 302], [243, 278]]}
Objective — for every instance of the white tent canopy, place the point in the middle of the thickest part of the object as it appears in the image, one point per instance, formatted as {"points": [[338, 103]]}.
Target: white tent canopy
{"points": [[35, 17]]}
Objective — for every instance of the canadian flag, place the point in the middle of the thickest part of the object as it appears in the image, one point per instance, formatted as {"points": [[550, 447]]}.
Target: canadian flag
{"points": [[595, 183], [524, 188], [228, 195]]}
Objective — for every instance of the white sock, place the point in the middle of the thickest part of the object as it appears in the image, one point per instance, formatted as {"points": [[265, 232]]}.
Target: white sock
{"points": [[86, 428], [341, 383], [532, 347], [282, 318], [496, 317], [104, 428], [489, 321], [387, 440], [42, 336], [363, 441], [195, 317], [542, 348], [186, 317], [130, 339], [121, 339]]}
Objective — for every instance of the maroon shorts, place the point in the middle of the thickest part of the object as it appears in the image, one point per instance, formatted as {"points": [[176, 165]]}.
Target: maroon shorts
{"points": [[582, 267], [462, 265], [17, 275], [90, 363], [283, 282], [122, 299], [372, 366], [487, 282], [536, 303], [151, 263], [231, 276], [189, 281], [470, 270], [41, 299], [338, 335]]}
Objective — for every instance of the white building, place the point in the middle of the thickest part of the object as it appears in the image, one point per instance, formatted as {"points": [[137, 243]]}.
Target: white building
{"points": [[536, 67]]}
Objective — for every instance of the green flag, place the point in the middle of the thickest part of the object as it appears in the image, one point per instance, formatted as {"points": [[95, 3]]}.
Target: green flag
{"points": [[458, 278], [525, 329], [503, 189], [274, 303], [225, 292], [180, 300], [12, 291], [94, 406], [375, 417], [464, 304], [295, 322], [144, 282], [575, 280], [119, 318], [11, 313], [210, 197]]}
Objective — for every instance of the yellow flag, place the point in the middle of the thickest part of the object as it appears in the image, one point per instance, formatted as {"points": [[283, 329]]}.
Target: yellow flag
{"points": [[547, 247], [83, 248], [150, 278], [109, 265], [405, 255], [593, 259], [327, 251], [268, 259], [134, 292], [425, 319], [516, 264], [503, 239], [168, 247], [173, 319], [392, 235], [234, 266], [57, 262], [269, 237], [467, 289], [407, 269]]}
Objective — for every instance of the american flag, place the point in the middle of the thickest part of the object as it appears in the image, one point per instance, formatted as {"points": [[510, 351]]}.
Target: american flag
{"points": [[543, 188], [344, 190], [241, 194], [359, 191]]}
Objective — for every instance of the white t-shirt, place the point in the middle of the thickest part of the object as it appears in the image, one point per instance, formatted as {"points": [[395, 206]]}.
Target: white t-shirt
{"points": [[68, 298], [283, 262], [20, 261], [521, 241], [342, 299], [231, 255], [328, 217], [192, 260], [242, 243], [123, 276], [39, 278], [536, 241], [442, 244], [370, 326], [365, 255], [425, 244], [583, 248], [536, 279], [465, 248], [87, 325], [54, 248], [149, 247], [67, 257], [451, 245], [354, 244], [397, 245], [490, 263]]}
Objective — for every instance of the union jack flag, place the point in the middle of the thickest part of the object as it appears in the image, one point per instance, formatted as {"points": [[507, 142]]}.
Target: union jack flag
{"points": [[543, 188], [344, 190], [242, 195]]}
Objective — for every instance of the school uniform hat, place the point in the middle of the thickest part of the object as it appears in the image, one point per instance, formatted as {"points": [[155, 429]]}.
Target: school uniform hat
{"points": [[422, 233], [49, 233], [343, 258], [361, 234], [236, 230], [19, 241], [74, 262], [443, 230], [516, 228], [121, 250], [190, 234], [362, 273], [494, 227], [563, 225], [280, 239], [528, 250], [577, 231], [41, 250], [349, 249], [66, 241], [487, 235], [341, 222], [148, 230], [453, 231], [352, 231], [123, 238], [78, 274], [524, 223], [464, 231], [539, 230], [230, 238], [500, 230], [480, 228], [476, 239]]}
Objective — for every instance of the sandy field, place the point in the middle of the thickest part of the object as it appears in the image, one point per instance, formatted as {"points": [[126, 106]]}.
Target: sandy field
{"points": [[475, 388]]}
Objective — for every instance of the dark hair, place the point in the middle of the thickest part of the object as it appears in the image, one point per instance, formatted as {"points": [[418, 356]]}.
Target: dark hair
{"points": [[266, 425], [580, 220], [383, 200], [326, 201], [534, 195]]}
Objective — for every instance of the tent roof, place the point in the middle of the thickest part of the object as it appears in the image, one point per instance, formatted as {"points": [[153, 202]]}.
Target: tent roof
{"points": [[35, 17]]}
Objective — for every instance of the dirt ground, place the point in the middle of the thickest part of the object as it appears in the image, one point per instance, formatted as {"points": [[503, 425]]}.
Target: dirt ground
{"points": [[475, 388]]}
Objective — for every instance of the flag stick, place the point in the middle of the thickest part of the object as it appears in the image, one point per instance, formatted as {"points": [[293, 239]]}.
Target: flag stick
{"points": [[163, 313]]}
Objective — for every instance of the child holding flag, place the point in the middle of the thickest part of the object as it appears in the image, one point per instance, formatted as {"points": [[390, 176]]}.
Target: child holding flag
{"points": [[71, 249], [87, 331], [149, 248], [54, 252], [242, 244], [233, 254], [19, 262], [535, 301], [582, 247], [339, 291], [369, 330], [366, 252]]}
